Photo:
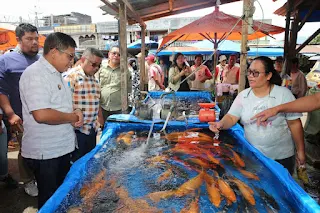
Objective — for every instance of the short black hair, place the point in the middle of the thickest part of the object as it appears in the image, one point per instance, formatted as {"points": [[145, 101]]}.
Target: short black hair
{"points": [[21, 29], [92, 51], [198, 55], [59, 41], [279, 59]]}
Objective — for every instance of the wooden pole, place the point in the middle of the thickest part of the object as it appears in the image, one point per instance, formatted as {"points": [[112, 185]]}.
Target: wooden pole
{"points": [[286, 37], [142, 59], [293, 41], [123, 55], [244, 43]]}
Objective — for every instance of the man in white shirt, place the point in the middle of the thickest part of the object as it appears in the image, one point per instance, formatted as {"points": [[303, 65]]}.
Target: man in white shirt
{"points": [[49, 117], [155, 75]]}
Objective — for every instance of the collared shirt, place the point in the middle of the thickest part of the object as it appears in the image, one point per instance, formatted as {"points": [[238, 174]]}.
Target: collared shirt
{"points": [[231, 75], [42, 87], [155, 73], [85, 96], [110, 83], [12, 65]]}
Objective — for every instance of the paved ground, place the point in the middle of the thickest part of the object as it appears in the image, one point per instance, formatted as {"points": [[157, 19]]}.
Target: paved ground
{"points": [[17, 201]]}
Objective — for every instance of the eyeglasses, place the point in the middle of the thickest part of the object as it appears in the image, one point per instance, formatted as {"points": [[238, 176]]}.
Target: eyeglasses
{"points": [[115, 54], [254, 73], [71, 56], [93, 64]]}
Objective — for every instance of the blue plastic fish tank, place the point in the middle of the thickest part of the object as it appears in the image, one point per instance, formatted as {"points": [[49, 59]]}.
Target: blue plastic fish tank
{"points": [[115, 176]]}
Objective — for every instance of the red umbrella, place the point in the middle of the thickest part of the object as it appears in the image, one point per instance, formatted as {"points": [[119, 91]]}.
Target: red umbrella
{"points": [[222, 25]]}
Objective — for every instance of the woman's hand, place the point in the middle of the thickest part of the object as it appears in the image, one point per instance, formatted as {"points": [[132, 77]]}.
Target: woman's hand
{"points": [[301, 158], [215, 126]]}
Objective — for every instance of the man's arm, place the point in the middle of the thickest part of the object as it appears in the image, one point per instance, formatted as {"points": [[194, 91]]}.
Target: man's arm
{"points": [[54, 117], [304, 104], [14, 120]]}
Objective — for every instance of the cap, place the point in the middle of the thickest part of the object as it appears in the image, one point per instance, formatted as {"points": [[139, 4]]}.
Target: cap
{"points": [[150, 58], [222, 58], [138, 55]]}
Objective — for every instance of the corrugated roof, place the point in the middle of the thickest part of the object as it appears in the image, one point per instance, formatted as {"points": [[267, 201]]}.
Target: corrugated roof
{"points": [[149, 10], [303, 6]]}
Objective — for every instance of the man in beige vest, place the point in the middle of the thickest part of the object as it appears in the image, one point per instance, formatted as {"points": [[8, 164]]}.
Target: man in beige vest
{"points": [[231, 72]]}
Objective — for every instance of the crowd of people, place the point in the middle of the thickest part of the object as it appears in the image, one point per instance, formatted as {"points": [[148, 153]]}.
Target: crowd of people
{"points": [[55, 106]]}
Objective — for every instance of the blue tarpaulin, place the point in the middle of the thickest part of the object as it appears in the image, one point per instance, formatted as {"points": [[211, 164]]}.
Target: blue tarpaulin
{"points": [[279, 179], [283, 183]]}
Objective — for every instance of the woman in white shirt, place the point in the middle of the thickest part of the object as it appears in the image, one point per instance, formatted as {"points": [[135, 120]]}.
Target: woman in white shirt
{"points": [[283, 134]]}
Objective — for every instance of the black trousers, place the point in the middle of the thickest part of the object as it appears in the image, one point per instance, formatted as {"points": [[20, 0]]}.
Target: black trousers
{"points": [[86, 143], [49, 175], [288, 163]]}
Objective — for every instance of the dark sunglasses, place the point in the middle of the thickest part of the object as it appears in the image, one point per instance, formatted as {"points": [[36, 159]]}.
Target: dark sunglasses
{"points": [[254, 73], [70, 55], [93, 64]]}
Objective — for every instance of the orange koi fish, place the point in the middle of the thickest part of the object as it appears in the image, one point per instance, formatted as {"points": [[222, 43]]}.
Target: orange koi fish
{"points": [[157, 196], [214, 195], [200, 162], [237, 160], [190, 186], [226, 190], [244, 189], [165, 175], [213, 191], [248, 174], [157, 159], [244, 185], [212, 159], [192, 208], [125, 137]]}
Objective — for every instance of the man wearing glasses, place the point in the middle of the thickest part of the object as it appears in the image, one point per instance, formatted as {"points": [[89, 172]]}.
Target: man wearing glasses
{"points": [[48, 115], [109, 77], [85, 95], [12, 65]]}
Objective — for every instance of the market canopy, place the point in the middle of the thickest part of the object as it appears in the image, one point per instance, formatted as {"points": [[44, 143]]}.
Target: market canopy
{"points": [[149, 43], [220, 24], [8, 39]]}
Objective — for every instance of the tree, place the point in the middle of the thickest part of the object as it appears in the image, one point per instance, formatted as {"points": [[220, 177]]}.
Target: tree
{"points": [[316, 40]]}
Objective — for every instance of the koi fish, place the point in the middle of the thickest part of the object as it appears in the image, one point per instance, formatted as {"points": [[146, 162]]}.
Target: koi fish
{"points": [[212, 159], [165, 175], [190, 186], [193, 207], [248, 174], [200, 162], [213, 194], [157, 159], [89, 191], [157, 196], [236, 159], [226, 190], [125, 137], [246, 191]]}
